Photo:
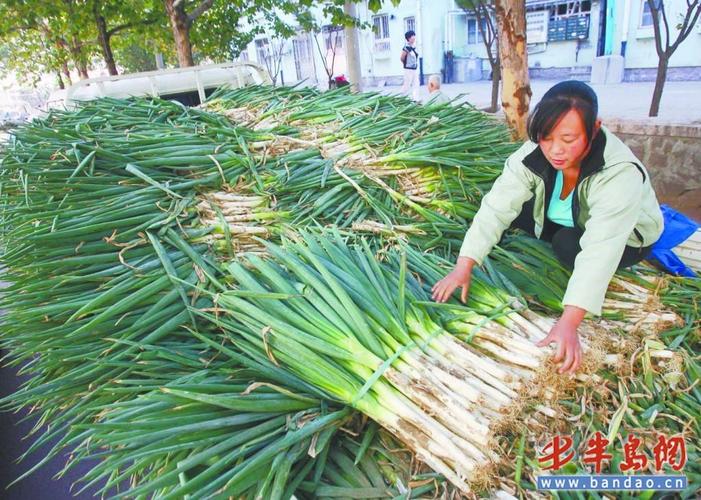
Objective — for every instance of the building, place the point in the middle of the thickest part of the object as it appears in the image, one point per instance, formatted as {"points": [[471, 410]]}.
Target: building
{"points": [[633, 37], [311, 56], [381, 47], [565, 38]]}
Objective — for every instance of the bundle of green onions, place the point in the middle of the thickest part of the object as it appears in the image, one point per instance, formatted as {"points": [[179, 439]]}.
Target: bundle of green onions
{"points": [[130, 232], [360, 331]]}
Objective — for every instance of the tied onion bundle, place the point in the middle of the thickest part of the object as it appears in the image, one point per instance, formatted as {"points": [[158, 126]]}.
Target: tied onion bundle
{"points": [[360, 331]]}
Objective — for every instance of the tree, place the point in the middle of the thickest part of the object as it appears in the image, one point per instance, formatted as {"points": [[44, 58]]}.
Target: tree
{"points": [[236, 23], [664, 46], [181, 22], [78, 30], [330, 36], [483, 11], [77, 35], [272, 52], [29, 55], [56, 32], [352, 48], [75, 31], [516, 89], [136, 57], [113, 17]]}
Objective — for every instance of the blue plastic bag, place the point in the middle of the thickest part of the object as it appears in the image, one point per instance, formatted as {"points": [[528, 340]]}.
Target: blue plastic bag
{"points": [[677, 229]]}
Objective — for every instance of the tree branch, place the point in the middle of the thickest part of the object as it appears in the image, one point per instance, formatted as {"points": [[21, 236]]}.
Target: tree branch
{"points": [[656, 27], [481, 12], [17, 29], [690, 20], [322, 56], [488, 35], [203, 7], [333, 58], [666, 25], [122, 27]]}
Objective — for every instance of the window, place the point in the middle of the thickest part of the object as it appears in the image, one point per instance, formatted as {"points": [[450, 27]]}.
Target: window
{"points": [[333, 37], [409, 24], [243, 56], [645, 15], [380, 25], [304, 64], [262, 50], [473, 34]]}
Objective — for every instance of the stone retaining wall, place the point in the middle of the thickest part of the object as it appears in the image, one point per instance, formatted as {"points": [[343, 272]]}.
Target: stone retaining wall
{"points": [[672, 155]]}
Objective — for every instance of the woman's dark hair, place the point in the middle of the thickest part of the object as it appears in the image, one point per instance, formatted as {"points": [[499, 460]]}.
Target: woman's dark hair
{"points": [[409, 34], [557, 101]]}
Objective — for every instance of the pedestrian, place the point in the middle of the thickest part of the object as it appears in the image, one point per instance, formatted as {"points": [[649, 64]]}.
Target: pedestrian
{"points": [[435, 95], [410, 61], [576, 185]]}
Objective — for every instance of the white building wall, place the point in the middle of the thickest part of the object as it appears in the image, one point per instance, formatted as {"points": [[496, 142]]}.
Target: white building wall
{"points": [[289, 72], [551, 54], [429, 18], [441, 26], [640, 48], [433, 15]]}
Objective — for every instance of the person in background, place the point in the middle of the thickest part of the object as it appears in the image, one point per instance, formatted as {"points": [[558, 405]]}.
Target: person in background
{"points": [[435, 96], [410, 61], [579, 187]]}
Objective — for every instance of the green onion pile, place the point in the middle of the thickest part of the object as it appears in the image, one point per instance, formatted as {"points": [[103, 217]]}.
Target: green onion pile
{"points": [[235, 301]]}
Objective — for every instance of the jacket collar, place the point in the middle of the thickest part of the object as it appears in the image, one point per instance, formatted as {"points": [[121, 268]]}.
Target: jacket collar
{"points": [[592, 163]]}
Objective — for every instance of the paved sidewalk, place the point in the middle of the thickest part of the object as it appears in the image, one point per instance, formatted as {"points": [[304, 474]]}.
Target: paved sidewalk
{"points": [[630, 100]]}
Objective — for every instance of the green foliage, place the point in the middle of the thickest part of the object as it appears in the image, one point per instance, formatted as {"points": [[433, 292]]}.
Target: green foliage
{"points": [[134, 58], [44, 37]]}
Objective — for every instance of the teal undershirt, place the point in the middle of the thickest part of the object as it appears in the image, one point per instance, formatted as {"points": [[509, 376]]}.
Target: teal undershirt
{"points": [[560, 211]]}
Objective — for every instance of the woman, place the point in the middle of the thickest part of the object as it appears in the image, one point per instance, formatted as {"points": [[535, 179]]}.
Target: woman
{"points": [[579, 187], [410, 61]]}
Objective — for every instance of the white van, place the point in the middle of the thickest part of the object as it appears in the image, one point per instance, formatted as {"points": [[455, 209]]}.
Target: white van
{"points": [[190, 86]]}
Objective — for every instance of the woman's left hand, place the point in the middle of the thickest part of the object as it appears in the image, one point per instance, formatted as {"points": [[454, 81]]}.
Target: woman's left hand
{"points": [[564, 334]]}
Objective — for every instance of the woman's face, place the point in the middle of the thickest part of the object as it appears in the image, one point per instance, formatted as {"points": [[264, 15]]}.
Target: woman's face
{"points": [[566, 145]]}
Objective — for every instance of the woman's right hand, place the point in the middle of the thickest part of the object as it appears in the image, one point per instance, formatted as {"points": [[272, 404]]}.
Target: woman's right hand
{"points": [[458, 277]]}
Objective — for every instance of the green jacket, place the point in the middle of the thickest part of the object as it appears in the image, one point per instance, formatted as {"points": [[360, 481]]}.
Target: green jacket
{"points": [[613, 203]]}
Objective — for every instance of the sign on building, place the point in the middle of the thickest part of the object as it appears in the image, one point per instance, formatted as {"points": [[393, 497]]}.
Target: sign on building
{"points": [[537, 26]]}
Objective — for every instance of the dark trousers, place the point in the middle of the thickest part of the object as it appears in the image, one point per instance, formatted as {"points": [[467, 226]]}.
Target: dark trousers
{"points": [[565, 240]]}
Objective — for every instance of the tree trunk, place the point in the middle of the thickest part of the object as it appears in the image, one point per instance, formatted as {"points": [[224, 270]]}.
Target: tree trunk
{"points": [[496, 76], [62, 46], [352, 49], [66, 73], [516, 90], [59, 80], [81, 66], [659, 85], [103, 39], [180, 23], [82, 70], [78, 60]]}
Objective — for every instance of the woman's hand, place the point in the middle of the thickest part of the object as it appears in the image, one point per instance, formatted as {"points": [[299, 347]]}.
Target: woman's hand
{"points": [[460, 276], [564, 334]]}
